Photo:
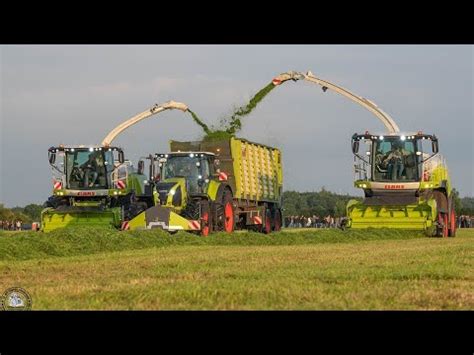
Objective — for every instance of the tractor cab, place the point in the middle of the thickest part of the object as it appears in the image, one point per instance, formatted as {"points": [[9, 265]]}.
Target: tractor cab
{"points": [[182, 175], [393, 161], [87, 171]]}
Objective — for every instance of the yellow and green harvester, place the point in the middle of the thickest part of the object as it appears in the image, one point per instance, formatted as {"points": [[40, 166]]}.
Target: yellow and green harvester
{"points": [[92, 186], [406, 184]]}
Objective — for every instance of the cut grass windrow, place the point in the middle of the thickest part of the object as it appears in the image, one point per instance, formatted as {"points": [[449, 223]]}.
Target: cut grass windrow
{"points": [[85, 240]]}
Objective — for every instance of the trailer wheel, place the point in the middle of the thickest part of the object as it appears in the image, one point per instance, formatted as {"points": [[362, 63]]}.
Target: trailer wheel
{"points": [[205, 219], [267, 226], [277, 220], [229, 220], [452, 224]]}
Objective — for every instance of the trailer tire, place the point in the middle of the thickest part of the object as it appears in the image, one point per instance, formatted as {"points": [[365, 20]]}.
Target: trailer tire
{"points": [[229, 214]]}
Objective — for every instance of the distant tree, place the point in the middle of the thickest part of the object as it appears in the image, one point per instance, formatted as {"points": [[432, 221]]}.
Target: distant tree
{"points": [[5, 213], [33, 211], [467, 206], [13, 214], [457, 201], [320, 203]]}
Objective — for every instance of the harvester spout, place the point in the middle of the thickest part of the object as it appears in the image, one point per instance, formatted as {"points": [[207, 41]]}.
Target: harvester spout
{"points": [[388, 121], [173, 105], [289, 75], [157, 108]]}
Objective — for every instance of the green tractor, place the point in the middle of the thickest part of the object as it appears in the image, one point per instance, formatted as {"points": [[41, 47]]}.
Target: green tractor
{"points": [[406, 184], [93, 186], [215, 185]]}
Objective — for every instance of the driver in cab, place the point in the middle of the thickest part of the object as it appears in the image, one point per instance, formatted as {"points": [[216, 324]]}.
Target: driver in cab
{"points": [[395, 161], [91, 168]]}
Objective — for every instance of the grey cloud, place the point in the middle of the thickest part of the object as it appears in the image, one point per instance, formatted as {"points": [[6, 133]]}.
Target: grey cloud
{"points": [[76, 94]]}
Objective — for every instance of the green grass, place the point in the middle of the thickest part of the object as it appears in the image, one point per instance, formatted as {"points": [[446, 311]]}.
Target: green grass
{"points": [[309, 269], [84, 240]]}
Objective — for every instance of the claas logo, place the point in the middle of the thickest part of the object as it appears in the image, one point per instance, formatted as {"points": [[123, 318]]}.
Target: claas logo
{"points": [[86, 193], [394, 187]]}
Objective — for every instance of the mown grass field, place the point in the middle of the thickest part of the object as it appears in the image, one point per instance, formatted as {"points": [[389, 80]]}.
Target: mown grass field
{"points": [[302, 269]]}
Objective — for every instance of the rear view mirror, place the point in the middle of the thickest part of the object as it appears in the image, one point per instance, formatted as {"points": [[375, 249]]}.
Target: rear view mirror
{"points": [[434, 146], [355, 147], [141, 167], [51, 157], [121, 157]]}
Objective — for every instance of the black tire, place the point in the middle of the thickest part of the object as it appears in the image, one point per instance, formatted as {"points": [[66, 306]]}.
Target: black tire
{"points": [[225, 213]]}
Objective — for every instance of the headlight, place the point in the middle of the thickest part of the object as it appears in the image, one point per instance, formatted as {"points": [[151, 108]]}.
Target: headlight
{"points": [[172, 192]]}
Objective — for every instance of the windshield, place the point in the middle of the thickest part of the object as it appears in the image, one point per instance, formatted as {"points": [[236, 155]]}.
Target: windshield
{"points": [[394, 160], [192, 168], [86, 169]]}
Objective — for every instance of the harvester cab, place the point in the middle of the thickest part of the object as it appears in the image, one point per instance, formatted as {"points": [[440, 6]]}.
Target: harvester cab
{"points": [[91, 185], [405, 181]]}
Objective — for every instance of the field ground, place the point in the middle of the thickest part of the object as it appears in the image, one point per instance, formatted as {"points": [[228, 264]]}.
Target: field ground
{"points": [[300, 269]]}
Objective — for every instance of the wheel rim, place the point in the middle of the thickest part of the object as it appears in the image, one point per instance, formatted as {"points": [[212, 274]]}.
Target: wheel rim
{"points": [[229, 217], [205, 222]]}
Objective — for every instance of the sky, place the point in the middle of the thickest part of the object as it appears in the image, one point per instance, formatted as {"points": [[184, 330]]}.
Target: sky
{"points": [[76, 94]]}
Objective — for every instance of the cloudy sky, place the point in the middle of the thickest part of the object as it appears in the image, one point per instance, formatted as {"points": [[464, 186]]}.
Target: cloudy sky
{"points": [[77, 94]]}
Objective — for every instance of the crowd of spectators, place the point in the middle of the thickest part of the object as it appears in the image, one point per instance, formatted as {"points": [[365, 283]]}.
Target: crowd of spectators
{"points": [[11, 225], [314, 221], [465, 221]]}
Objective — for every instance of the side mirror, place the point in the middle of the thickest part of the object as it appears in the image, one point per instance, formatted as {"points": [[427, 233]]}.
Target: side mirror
{"points": [[434, 146], [355, 147], [51, 157], [141, 167], [121, 157]]}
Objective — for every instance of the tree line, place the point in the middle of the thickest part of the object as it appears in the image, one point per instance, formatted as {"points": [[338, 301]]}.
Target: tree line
{"points": [[321, 203], [324, 203], [29, 213]]}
